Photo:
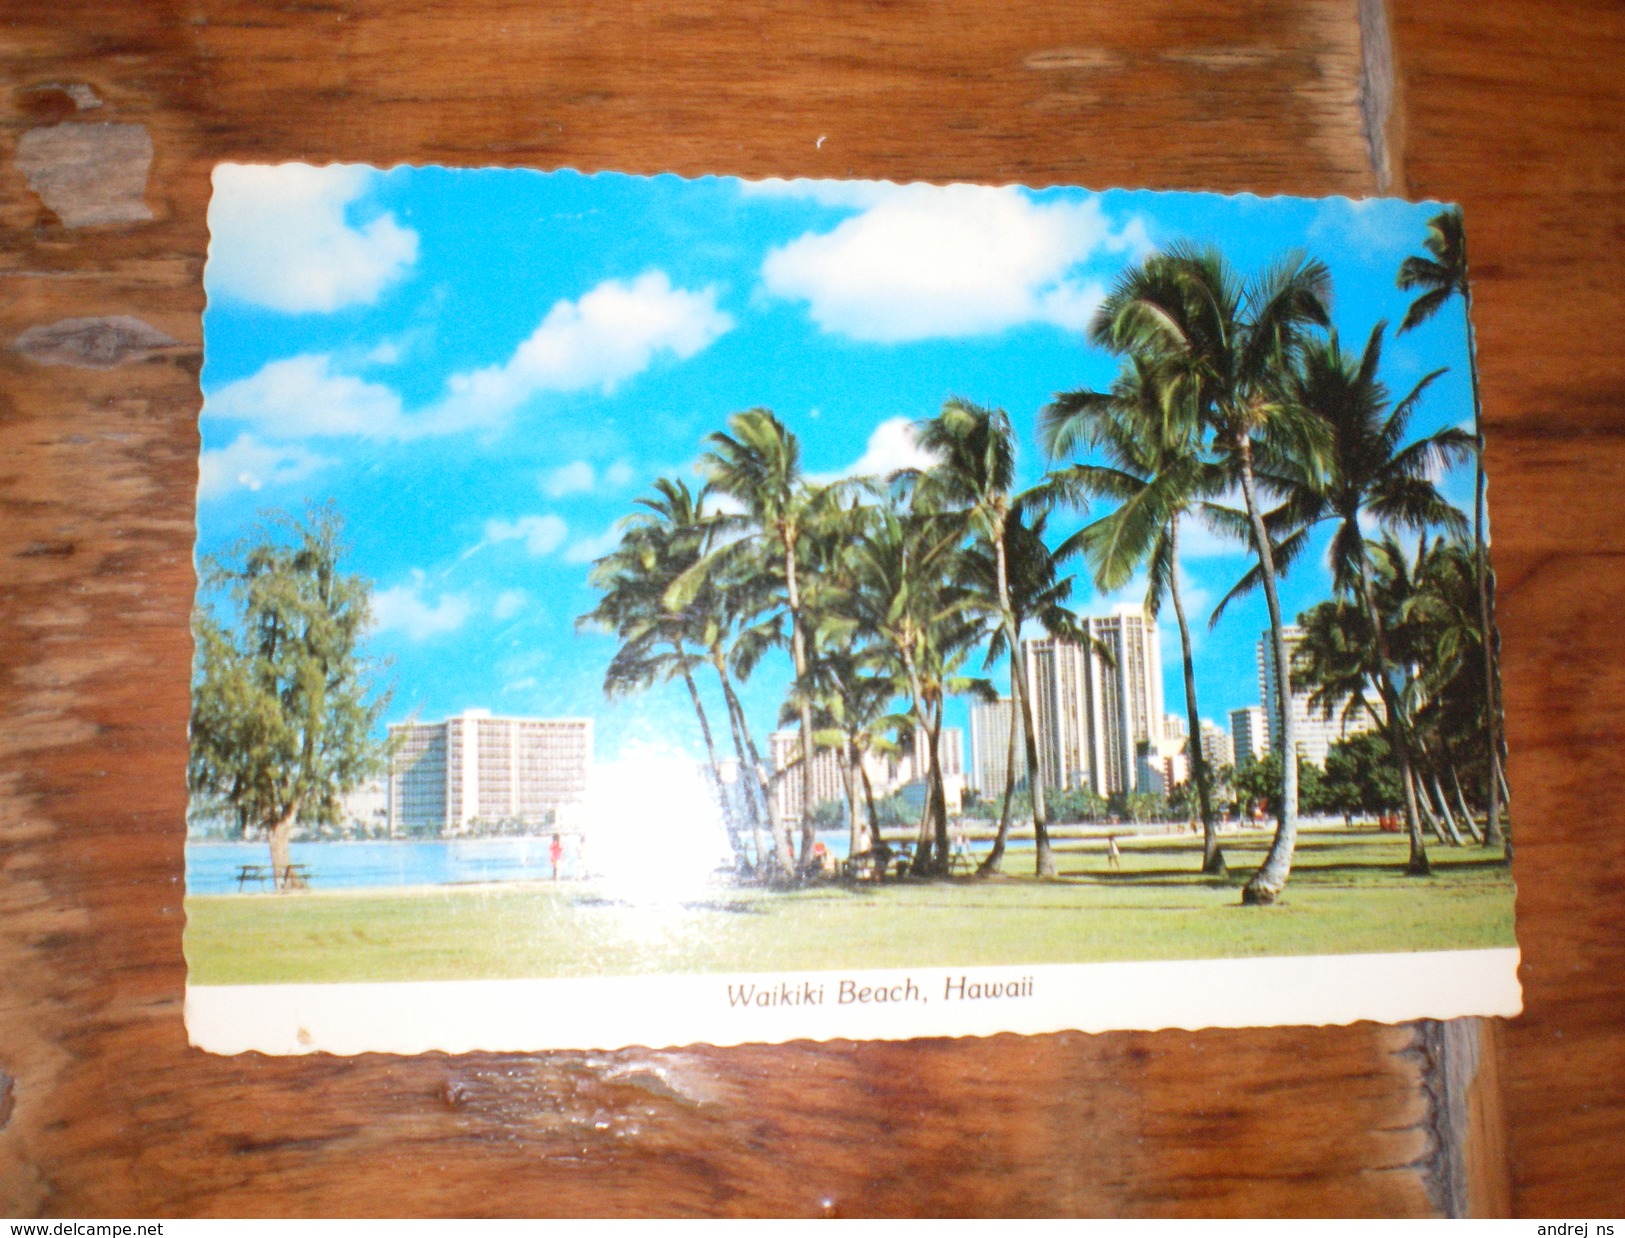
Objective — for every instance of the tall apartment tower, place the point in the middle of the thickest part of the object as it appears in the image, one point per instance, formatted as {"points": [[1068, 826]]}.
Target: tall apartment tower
{"points": [[991, 723], [1217, 749], [1312, 731], [1249, 735], [443, 776], [1097, 718]]}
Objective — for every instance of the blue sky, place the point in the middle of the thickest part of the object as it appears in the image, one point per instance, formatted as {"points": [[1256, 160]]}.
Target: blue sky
{"points": [[482, 369]]}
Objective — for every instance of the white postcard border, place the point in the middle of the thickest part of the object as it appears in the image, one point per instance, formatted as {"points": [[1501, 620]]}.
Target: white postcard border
{"points": [[666, 1011]]}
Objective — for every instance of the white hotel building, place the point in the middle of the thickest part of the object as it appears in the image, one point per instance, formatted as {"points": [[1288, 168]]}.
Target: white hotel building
{"points": [[443, 776], [1312, 732], [1099, 722]]}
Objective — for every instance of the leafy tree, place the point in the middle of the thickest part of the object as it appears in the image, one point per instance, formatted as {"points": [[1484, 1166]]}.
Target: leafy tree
{"points": [[283, 702], [1361, 776], [1079, 804], [1259, 786]]}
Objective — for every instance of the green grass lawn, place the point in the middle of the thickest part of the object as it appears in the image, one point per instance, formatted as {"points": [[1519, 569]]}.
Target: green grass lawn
{"points": [[1347, 895]]}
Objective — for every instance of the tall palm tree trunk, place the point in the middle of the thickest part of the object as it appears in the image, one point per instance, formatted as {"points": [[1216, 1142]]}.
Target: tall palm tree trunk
{"points": [[717, 788], [869, 805], [1448, 817], [939, 798], [1213, 864], [854, 823], [1492, 695], [1265, 885], [1012, 631], [1461, 803], [1398, 727], [995, 857], [798, 649], [762, 782], [752, 792], [1045, 863], [1044, 860], [1428, 814]]}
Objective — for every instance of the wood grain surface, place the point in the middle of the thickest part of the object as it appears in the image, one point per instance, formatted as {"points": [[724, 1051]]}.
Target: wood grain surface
{"points": [[113, 115]]}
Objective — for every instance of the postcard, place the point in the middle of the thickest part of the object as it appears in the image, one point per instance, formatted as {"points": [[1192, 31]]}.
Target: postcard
{"points": [[647, 611]]}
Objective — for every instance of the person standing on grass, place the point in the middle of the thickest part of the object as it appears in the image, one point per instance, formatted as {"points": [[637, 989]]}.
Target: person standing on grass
{"points": [[555, 853]]}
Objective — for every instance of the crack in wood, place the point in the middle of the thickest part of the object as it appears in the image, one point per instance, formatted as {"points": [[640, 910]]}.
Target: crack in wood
{"points": [[1451, 1052], [1377, 88]]}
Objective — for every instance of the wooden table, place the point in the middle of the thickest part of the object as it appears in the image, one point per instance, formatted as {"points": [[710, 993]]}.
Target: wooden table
{"points": [[1514, 109]]}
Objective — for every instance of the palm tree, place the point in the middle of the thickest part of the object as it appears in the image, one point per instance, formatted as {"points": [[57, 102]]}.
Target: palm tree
{"points": [[1441, 619], [912, 601], [1441, 276], [658, 643], [1368, 472], [1157, 471], [757, 463], [1225, 345], [975, 474], [853, 690], [1038, 593]]}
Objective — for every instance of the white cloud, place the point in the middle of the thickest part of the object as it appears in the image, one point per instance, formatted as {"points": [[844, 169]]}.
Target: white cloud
{"points": [[891, 447], [612, 333], [542, 535], [508, 604], [253, 465], [577, 477], [586, 549], [929, 261], [301, 397], [278, 237], [404, 608]]}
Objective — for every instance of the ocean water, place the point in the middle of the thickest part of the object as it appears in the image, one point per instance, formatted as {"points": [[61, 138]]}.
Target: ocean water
{"points": [[212, 867]]}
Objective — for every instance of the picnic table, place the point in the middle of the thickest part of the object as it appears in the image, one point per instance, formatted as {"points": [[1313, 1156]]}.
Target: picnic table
{"points": [[298, 874]]}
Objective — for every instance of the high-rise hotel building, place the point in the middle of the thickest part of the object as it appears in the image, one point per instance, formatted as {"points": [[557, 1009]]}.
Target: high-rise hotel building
{"points": [[1217, 749], [443, 776], [1312, 731], [991, 726], [1099, 720], [1249, 736]]}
